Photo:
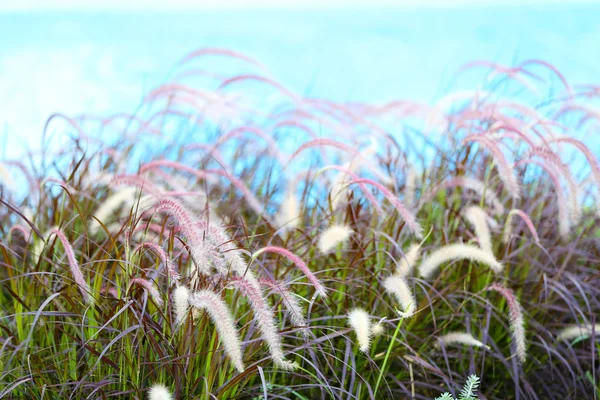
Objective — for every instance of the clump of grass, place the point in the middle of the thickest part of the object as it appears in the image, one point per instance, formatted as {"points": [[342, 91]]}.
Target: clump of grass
{"points": [[205, 191]]}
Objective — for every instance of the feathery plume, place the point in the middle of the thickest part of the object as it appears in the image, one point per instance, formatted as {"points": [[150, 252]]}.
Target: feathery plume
{"points": [[575, 331], [159, 392], [508, 225], [457, 252], [150, 288], [174, 275], [188, 225], [461, 338], [478, 218], [359, 321], [299, 264], [221, 316], [410, 219], [407, 263], [289, 301], [110, 205], [398, 287], [378, 329], [333, 236], [73, 265], [516, 320], [410, 188], [289, 214], [181, 304], [506, 171], [263, 315]]}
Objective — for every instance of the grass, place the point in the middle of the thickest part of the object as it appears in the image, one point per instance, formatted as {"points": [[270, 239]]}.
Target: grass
{"points": [[255, 212]]}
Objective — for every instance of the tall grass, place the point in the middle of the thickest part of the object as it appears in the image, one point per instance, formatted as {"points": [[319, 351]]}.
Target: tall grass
{"points": [[173, 221]]}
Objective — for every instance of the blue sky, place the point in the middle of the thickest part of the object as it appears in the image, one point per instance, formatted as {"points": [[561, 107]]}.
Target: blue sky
{"points": [[99, 57]]}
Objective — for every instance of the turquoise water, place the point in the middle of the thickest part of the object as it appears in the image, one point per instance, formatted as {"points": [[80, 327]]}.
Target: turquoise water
{"points": [[103, 63]]}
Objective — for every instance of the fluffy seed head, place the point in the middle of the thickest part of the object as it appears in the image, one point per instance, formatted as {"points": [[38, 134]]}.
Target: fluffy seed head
{"points": [[358, 320], [263, 315], [408, 262], [181, 296], [457, 252], [461, 338], [516, 320], [298, 262], [289, 301], [508, 225], [122, 197], [150, 288], [333, 236], [221, 316], [398, 287], [289, 214], [576, 331], [478, 218], [159, 392]]}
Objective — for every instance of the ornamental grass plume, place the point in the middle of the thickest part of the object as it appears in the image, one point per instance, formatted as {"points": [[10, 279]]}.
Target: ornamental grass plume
{"points": [[263, 315], [333, 236], [86, 292], [398, 287], [159, 392], [407, 263], [181, 303], [508, 225], [122, 197], [358, 319], [150, 288], [221, 316], [299, 264], [460, 338], [478, 219], [579, 331], [457, 252], [289, 213], [516, 320], [173, 274], [289, 301], [188, 224]]}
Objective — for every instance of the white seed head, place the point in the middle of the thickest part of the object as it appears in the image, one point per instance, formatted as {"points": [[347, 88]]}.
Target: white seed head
{"points": [[478, 219], [461, 338], [359, 321], [398, 287], [333, 236], [159, 392], [181, 296], [457, 252]]}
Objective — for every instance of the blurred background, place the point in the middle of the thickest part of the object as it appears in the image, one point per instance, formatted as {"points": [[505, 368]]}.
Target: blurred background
{"points": [[101, 57]]}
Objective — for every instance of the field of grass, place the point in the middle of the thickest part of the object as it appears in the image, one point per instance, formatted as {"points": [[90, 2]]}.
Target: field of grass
{"points": [[234, 239]]}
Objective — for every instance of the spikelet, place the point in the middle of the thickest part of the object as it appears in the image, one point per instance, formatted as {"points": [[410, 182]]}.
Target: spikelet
{"points": [[150, 288], [408, 262], [358, 320], [263, 315], [159, 392], [299, 264], [508, 225], [174, 275], [516, 320], [457, 252], [398, 287], [221, 316], [460, 338], [339, 187], [181, 304], [478, 218], [575, 331], [333, 236], [73, 265]]}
